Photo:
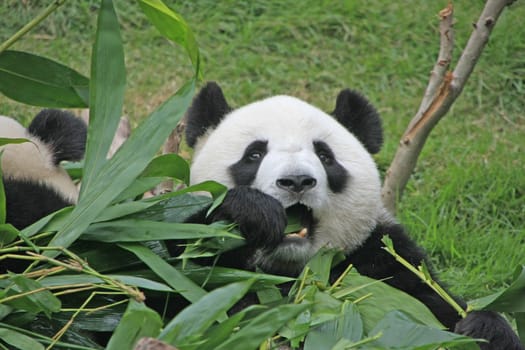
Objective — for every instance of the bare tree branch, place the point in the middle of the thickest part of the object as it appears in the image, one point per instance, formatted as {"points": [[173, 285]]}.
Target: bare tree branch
{"points": [[171, 145], [442, 90]]}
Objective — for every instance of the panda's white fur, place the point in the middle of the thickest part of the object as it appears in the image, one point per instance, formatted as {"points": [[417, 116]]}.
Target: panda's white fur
{"points": [[289, 125], [32, 161]]}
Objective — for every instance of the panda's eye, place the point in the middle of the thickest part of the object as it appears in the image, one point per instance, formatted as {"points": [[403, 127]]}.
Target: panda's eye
{"points": [[255, 151], [324, 152], [325, 158], [255, 155]]}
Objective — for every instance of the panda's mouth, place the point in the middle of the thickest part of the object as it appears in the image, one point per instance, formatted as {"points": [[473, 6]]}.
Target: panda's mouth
{"points": [[300, 222]]}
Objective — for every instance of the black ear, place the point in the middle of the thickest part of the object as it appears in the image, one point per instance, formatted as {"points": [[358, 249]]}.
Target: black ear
{"points": [[361, 118], [206, 111], [62, 131]]}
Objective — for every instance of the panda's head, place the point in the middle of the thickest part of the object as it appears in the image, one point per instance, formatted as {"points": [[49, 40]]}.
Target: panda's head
{"points": [[317, 165], [35, 183]]}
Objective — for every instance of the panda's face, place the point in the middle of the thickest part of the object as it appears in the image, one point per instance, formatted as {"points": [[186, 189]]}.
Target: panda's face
{"points": [[303, 157]]}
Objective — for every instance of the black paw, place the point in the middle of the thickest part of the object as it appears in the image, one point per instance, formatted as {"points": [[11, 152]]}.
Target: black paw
{"points": [[261, 218], [492, 327]]}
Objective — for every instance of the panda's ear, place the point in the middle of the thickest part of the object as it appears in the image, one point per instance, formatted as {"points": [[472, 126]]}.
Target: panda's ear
{"points": [[62, 131], [361, 118], [208, 108]]}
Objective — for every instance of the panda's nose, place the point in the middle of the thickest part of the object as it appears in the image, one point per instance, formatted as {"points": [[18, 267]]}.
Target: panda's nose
{"points": [[296, 183]]}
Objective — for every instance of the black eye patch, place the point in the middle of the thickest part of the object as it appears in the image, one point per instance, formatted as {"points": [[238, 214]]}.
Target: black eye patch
{"points": [[245, 169], [335, 172]]}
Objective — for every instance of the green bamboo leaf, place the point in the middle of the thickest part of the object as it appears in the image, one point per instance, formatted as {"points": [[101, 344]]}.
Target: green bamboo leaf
{"points": [[172, 26], [8, 233], [176, 208], [138, 321], [218, 334], [348, 325], [19, 340], [520, 325], [118, 173], [216, 190], [168, 165], [137, 188], [319, 267], [124, 209], [139, 282], [7, 140], [39, 81], [262, 327], [160, 168], [106, 93], [134, 230], [199, 316], [218, 276], [168, 273], [41, 301], [512, 299], [415, 335], [379, 298], [51, 222], [8, 238]]}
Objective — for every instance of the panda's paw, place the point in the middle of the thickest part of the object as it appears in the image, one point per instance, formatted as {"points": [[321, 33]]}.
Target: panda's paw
{"points": [[261, 218], [492, 327]]}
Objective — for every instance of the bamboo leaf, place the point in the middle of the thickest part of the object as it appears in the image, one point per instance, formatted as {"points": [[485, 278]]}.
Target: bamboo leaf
{"points": [[172, 26], [219, 276], [512, 299], [39, 81], [41, 301], [168, 165], [168, 273], [134, 230], [8, 233], [88, 279], [415, 336], [262, 327], [138, 321], [520, 325], [222, 331], [199, 316], [348, 325], [376, 299], [8, 238], [7, 140], [118, 173], [19, 340], [108, 80]]}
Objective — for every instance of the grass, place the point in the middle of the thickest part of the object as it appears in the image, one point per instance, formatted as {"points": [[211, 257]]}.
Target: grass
{"points": [[465, 203]]}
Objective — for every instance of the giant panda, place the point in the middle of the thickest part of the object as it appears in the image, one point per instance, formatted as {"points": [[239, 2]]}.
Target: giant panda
{"points": [[282, 154], [34, 182]]}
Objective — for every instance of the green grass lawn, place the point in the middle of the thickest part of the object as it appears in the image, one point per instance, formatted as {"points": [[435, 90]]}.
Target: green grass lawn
{"points": [[465, 203]]}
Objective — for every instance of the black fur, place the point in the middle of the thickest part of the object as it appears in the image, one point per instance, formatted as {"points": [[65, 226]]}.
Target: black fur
{"points": [[244, 171], [63, 132], [373, 261], [206, 112], [337, 175], [490, 326], [360, 118], [28, 202], [261, 218]]}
